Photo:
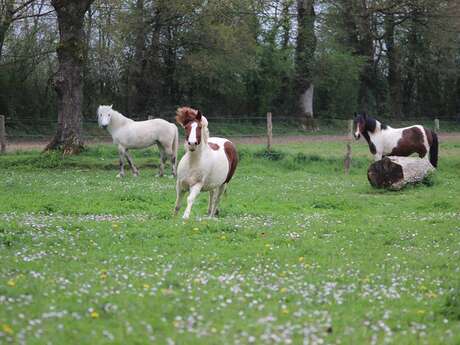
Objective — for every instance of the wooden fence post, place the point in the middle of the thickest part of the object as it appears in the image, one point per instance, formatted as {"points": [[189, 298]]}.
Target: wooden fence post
{"points": [[347, 159], [436, 125], [269, 131], [2, 134], [350, 129]]}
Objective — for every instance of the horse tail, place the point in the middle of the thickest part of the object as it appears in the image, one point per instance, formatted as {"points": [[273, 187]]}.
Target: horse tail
{"points": [[434, 150]]}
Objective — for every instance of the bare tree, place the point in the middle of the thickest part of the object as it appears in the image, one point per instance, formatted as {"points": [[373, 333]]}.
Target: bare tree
{"points": [[138, 92], [12, 10], [305, 50], [394, 67], [69, 78]]}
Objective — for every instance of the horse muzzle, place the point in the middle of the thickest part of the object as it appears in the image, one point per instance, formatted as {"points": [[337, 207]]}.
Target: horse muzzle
{"points": [[191, 147], [357, 136]]}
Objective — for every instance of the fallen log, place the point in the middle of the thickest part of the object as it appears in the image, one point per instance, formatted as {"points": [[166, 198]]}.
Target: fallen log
{"points": [[396, 172]]}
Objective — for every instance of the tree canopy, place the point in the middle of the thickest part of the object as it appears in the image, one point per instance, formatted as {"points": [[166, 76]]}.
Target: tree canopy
{"points": [[240, 57]]}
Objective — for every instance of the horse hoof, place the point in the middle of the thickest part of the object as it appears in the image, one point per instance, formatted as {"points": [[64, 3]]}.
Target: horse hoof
{"points": [[136, 174], [120, 175]]}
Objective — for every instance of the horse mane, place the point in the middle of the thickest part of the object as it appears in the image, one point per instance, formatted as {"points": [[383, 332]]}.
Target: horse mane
{"points": [[371, 124], [185, 115]]}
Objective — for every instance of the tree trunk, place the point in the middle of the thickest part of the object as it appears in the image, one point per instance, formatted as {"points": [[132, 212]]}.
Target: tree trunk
{"points": [[394, 67], [2, 37], [283, 100], [154, 62], [366, 49], [357, 21], [396, 172], [69, 77], [305, 50], [6, 17], [409, 84], [139, 91]]}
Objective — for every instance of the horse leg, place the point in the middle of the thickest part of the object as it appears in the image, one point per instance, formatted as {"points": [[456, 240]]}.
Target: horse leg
{"points": [[179, 195], [121, 153], [169, 152], [194, 191], [173, 165], [131, 164], [162, 159], [211, 201], [217, 196]]}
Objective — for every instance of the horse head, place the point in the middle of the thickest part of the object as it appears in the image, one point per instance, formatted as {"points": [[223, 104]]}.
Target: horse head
{"points": [[104, 115], [195, 125], [360, 124]]}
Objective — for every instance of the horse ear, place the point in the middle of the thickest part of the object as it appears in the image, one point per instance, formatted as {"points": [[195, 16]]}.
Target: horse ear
{"points": [[111, 105], [198, 115]]}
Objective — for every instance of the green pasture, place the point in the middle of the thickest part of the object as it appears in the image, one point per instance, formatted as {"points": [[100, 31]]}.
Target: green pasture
{"points": [[301, 253]]}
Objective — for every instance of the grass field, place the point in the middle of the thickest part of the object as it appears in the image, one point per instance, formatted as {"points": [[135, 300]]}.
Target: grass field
{"points": [[301, 253]]}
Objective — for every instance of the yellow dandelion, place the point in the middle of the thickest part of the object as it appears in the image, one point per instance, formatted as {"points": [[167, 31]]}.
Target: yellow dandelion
{"points": [[301, 258], [146, 286], [283, 290], [223, 237], [176, 323], [285, 310], [94, 314], [7, 329], [213, 330], [196, 229], [103, 275], [115, 226], [421, 311], [11, 283]]}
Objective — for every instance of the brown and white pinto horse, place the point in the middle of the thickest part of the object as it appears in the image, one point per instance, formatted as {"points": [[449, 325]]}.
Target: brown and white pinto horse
{"points": [[384, 140], [208, 164]]}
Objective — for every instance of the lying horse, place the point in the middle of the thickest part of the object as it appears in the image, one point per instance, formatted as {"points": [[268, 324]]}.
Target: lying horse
{"points": [[386, 141], [208, 164], [130, 134]]}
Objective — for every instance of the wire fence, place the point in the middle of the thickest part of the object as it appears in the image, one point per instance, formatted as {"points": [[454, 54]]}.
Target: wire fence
{"points": [[36, 129]]}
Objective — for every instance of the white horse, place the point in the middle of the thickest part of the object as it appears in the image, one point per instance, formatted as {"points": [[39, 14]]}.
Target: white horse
{"points": [[208, 164], [130, 134]]}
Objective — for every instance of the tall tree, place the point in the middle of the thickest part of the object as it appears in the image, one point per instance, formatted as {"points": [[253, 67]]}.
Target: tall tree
{"points": [[68, 81], [394, 66], [358, 26], [11, 11], [304, 57], [138, 92]]}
